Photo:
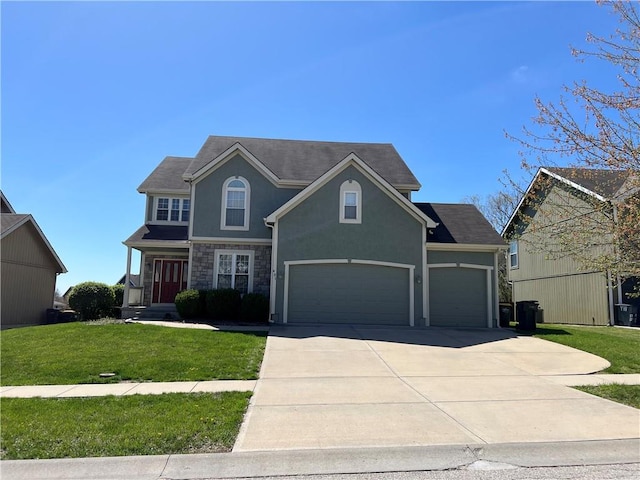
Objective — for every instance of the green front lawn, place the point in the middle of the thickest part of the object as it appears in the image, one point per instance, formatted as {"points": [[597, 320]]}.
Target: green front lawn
{"points": [[115, 426], [627, 394], [620, 346], [73, 353]]}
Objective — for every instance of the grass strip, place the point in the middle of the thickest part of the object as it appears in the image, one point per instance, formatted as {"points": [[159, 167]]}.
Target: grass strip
{"points": [[626, 394], [40, 428], [74, 353], [620, 346]]}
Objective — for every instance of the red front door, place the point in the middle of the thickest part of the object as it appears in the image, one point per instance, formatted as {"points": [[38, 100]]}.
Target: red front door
{"points": [[169, 277]]}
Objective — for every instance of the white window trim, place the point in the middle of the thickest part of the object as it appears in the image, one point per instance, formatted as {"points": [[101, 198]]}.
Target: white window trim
{"points": [[219, 252], [515, 254], [351, 186], [247, 204], [156, 201]]}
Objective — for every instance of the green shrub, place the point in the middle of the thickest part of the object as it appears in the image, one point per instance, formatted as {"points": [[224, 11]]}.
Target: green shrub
{"points": [[118, 292], [223, 304], [188, 304], [254, 308], [92, 300]]}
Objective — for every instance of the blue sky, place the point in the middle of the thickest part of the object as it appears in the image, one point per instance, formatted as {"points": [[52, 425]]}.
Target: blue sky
{"points": [[95, 95]]}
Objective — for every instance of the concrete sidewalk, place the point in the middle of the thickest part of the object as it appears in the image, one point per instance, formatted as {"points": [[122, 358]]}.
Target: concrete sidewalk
{"points": [[119, 389], [326, 461]]}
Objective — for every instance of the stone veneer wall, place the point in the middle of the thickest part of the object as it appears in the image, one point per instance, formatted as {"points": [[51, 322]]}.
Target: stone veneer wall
{"points": [[203, 261]]}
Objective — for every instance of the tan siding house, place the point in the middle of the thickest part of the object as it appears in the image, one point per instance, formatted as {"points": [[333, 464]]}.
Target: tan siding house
{"points": [[29, 267], [565, 292]]}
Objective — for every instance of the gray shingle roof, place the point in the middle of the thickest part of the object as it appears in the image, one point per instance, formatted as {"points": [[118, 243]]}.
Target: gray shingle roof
{"points": [[606, 183], [304, 161], [168, 176], [159, 233], [9, 220], [459, 223]]}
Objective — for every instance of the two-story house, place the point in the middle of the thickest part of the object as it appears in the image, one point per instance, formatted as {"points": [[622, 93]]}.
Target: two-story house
{"points": [[326, 230], [565, 216]]}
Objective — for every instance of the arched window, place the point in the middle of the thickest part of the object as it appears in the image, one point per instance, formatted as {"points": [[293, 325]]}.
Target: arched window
{"points": [[350, 202], [235, 204]]}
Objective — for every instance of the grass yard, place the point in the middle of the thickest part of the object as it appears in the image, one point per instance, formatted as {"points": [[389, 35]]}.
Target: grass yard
{"points": [[115, 426], [626, 394], [620, 346], [73, 353]]}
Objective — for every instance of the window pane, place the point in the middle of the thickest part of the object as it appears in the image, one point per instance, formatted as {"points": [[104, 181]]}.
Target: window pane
{"points": [[175, 215], [235, 199], [234, 217], [242, 283], [350, 199], [163, 209], [186, 206], [224, 264], [224, 281], [236, 184], [242, 264], [350, 212], [514, 260]]}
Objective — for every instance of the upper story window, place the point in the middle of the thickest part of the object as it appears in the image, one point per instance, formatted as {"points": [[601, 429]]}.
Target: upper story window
{"points": [[513, 254], [172, 209], [235, 204], [350, 202]]}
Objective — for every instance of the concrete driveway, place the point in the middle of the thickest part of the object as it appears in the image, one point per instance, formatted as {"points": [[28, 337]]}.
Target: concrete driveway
{"points": [[352, 386]]}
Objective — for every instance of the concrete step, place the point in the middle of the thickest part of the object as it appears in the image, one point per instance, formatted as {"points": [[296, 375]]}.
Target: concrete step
{"points": [[154, 312]]}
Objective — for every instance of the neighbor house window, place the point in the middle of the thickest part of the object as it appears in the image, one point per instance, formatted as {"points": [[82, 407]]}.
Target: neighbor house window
{"points": [[234, 270], [350, 202], [235, 204], [513, 254], [172, 209]]}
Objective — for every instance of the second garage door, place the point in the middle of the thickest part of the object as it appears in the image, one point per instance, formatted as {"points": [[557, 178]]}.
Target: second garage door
{"points": [[457, 297], [348, 293]]}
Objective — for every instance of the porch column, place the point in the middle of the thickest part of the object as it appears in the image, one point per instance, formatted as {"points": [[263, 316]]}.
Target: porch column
{"points": [[125, 298]]}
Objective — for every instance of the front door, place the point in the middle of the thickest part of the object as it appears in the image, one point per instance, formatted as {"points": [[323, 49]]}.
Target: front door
{"points": [[169, 278]]}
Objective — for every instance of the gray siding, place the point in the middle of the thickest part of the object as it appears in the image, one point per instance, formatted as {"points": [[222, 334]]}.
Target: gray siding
{"points": [[387, 233], [265, 199], [474, 258], [28, 274]]}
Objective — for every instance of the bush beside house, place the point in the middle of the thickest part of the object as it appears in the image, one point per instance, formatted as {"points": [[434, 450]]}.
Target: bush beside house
{"points": [[92, 300], [223, 304]]}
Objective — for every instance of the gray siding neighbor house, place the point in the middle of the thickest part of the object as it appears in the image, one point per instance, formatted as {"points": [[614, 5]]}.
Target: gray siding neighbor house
{"points": [[326, 230], [29, 268], [566, 291]]}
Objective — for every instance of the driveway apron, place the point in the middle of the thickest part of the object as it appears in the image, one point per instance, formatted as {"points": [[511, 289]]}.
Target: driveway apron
{"points": [[358, 386]]}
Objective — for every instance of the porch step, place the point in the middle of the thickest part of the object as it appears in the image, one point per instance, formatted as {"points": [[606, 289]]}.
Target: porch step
{"points": [[154, 312]]}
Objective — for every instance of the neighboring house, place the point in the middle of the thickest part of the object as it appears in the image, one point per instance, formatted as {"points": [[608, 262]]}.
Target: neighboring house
{"points": [[326, 230], [539, 271], [134, 280], [29, 269]]}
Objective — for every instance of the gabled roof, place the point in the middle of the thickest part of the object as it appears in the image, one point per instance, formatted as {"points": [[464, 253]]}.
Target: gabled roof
{"points": [[351, 159], [459, 224], [10, 222], [5, 206], [302, 162], [167, 177], [604, 185]]}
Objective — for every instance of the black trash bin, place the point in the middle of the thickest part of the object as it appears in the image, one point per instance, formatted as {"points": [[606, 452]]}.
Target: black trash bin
{"points": [[506, 314], [52, 315], [526, 313], [626, 314]]}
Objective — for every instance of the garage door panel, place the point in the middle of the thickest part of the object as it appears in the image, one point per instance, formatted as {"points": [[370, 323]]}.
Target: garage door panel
{"points": [[457, 297], [348, 293]]}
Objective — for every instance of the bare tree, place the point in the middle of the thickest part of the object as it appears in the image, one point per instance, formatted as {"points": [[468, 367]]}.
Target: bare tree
{"points": [[595, 133]]}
